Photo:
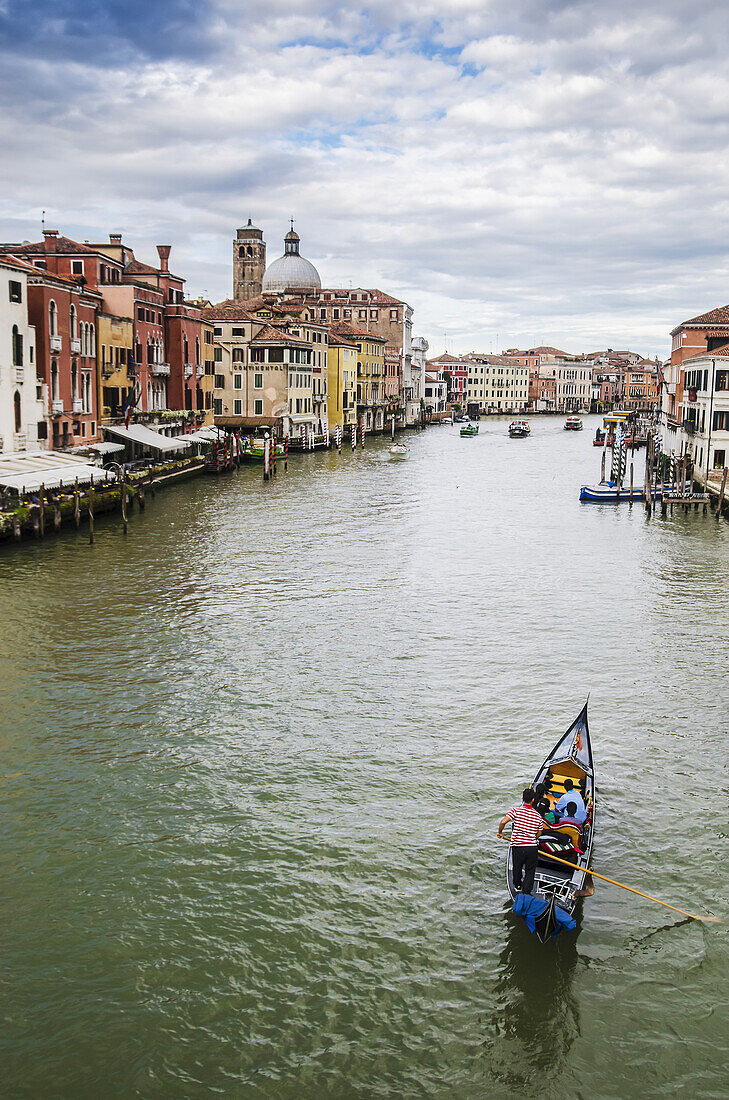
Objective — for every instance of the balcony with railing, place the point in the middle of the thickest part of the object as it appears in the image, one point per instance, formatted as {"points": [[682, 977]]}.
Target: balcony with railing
{"points": [[18, 374], [57, 407], [200, 370], [188, 370], [160, 368], [78, 405], [75, 345], [55, 343]]}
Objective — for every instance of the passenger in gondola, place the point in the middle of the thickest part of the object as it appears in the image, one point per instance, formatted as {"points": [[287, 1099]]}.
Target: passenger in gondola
{"points": [[572, 795], [569, 817]]}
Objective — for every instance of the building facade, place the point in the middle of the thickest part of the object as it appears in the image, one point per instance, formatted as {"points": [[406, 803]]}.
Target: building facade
{"points": [[705, 425], [497, 383], [22, 406]]}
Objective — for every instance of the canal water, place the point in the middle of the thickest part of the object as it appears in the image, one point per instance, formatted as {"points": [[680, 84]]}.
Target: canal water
{"points": [[253, 758]]}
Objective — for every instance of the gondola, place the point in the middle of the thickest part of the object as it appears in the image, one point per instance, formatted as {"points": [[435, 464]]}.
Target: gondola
{"points": [[557, 887]]}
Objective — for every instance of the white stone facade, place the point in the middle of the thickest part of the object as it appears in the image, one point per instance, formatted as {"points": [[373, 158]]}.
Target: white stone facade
{"points": [[21, 395]]}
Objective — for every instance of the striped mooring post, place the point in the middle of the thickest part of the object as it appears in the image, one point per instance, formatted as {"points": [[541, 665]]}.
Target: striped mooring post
{"points": [[273, 453], [286, 453], [363, 434], [303, 437], [266, 457], [338, 437], [354, 436]]}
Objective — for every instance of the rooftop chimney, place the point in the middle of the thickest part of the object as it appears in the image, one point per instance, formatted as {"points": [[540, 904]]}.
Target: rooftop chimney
{"points": [[49, 239], [163, 251], [115, 238]]}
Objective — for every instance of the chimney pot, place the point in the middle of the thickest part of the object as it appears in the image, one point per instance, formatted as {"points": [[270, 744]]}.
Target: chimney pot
{"points": [[49, 239], [115, 238], [163, 251]]}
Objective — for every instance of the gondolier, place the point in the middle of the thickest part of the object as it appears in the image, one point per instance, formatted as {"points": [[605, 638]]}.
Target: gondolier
{"points": [[527, 826]]}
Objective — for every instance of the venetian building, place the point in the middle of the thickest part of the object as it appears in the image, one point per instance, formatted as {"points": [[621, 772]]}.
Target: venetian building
{"points": [[291, 273], [249, 262]]}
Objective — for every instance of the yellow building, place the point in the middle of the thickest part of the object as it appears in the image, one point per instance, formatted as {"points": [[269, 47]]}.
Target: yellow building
{"points": [[342, 381], [115, 366], [371, 381]]}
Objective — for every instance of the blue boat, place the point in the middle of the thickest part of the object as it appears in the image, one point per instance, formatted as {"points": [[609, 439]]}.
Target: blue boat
{"points": [[608, 492]]}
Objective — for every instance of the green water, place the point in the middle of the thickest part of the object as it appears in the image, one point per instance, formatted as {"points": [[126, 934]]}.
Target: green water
{"points": [[254, 753]]}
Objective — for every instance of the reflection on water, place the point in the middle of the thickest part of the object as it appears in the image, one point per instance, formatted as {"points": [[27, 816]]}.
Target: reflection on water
{"points": [[536, 1014]]}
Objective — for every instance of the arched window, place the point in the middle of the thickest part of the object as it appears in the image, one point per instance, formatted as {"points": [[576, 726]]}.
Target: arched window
{"points": [[92, 340], [18, 418], [197, 351], [72, 322], [74, 380], [52, 318], [242, 251], [17, 347], [250, 251], [54, 381], [185, 349]]}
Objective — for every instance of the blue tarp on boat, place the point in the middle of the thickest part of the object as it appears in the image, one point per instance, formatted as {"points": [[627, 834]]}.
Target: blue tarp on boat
{"points": [[530, 909]]}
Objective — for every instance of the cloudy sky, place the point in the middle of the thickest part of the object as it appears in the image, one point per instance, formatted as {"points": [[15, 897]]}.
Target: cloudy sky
{"points": [[520, 171]]}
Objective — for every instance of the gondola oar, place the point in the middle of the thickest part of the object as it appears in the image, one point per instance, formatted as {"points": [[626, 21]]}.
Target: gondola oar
{"points": [[714, 920]]}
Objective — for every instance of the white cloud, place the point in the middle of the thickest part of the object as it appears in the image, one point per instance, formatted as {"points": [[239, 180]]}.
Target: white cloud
{"points": [[544, 173]]}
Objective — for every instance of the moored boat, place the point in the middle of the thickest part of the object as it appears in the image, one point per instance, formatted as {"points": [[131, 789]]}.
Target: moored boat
{"points": [[609, 492], [557, 887], [469, 429], [573, 424], [519, 428]]}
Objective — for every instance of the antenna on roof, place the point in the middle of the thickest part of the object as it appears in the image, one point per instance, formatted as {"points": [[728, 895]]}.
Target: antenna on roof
{"points": [[43, 220]]}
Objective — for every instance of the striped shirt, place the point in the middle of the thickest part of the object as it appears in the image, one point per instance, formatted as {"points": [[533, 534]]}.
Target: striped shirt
{"points": [[527, 824]]}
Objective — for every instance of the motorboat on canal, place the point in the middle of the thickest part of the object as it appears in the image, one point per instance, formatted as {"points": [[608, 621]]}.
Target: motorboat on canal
{"points": [[558, 889], [469, 429], [610, 492], [399, 450], [573, 424], [519, 428]]}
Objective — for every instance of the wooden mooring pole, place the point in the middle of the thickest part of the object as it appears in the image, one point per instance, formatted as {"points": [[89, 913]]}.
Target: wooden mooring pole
{"points": [[125, 522], [722, 490], [91, 511]]}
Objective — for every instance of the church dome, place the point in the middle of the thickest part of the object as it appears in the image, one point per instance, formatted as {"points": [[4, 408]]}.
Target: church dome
{"points": [[291, 272]]}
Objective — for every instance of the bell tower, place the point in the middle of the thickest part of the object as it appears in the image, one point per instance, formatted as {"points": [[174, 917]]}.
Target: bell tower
{"points": [[249, 262]]}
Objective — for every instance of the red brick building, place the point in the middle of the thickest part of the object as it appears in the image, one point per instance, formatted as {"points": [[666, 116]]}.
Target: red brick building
{"points": [[455, 372], [64, 316]]}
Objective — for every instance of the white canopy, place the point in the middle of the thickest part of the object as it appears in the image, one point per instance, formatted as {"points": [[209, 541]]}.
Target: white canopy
{"points": [[137, 433], [31, 469], [100, 449]]}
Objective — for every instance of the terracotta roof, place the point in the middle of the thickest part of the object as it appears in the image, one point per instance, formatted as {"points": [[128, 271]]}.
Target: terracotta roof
{"points": [[228, 311], [723, 350], [136, 267], [498, 360], [63, 245], [42, 274], [269, 334], [337, 340], [545, 351], [343, 328], [718, 316], [22, 265], [445, 358], [377, 297], [430, 378]]}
